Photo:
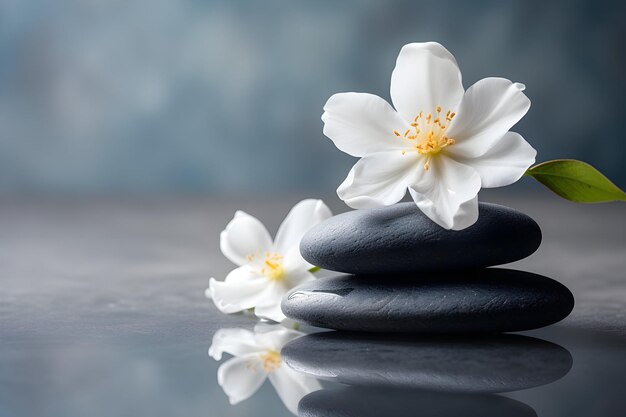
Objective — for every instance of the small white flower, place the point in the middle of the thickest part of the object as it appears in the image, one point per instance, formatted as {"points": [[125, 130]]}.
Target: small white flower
{"points": [[257, 357], [267, 269], [441, 143]]}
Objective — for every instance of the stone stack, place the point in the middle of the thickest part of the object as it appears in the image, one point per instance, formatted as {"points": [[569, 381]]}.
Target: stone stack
{"points": [[403, 273]]}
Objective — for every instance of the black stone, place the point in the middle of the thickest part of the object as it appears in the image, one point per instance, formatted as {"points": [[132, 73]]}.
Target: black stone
{"points": [[377, 402], [401, 239], [489, 300], [485, 364]]}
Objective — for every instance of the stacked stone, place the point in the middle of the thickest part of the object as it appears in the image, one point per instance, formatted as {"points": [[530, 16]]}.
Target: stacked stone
{"points": [[404, 273]]}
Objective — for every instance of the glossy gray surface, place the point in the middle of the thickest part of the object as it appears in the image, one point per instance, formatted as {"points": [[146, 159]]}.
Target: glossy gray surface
{"points": [[102, 311], [482, 301], [375, 402], [488, 363], [401, 239]]}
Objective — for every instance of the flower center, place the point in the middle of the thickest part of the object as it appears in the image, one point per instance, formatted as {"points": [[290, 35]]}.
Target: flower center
{"points": [[427, 134], [273, 266], [271, 360]]}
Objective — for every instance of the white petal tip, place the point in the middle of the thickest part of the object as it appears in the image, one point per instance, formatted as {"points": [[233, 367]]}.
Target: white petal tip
{"points": [[464, 226], [360, 202], [520, 86], [215, 355], [274, 319], [423, 45]]}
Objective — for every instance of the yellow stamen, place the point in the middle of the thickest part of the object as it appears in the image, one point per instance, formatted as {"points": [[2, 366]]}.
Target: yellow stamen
{"points": [[271, 360], [430, 140], [273, 266]]}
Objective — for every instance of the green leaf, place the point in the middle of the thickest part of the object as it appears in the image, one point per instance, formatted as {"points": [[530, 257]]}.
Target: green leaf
{"points": [[576, 181], [314, 269]]}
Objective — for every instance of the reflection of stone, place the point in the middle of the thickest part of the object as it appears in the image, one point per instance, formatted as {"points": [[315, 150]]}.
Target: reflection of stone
{"points": [[401, 239], [498, 363], [377, 402], [488, 300]]}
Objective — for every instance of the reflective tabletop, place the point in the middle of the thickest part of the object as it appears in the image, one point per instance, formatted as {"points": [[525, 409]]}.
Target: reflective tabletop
{"points": [[103, 313]]}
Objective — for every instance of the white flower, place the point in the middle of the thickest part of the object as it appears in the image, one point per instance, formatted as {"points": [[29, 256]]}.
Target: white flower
{"points": [[441, 143], [267, 270], [257, 357]]}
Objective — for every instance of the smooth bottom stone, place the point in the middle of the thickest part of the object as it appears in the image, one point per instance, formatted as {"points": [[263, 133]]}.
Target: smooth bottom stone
{"points": [[401, 239], [489, 300], [485, 364], [377, 402]]}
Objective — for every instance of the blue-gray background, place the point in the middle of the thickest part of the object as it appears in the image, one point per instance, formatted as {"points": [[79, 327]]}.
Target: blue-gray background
{"points": [[142, 96]]}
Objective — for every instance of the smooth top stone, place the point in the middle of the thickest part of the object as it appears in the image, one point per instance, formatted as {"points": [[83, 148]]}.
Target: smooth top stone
{"points": [[401, 239], [377, 402], [488, 300], [485, 363]]}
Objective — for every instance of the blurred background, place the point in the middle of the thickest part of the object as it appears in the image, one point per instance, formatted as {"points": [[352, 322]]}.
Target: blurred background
{"points": [[225, 97], [102, 305]]}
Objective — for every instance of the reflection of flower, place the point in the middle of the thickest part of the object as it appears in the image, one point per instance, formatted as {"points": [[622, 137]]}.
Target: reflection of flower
{"points": [[267, 270], [257, 357], [440, 142]]}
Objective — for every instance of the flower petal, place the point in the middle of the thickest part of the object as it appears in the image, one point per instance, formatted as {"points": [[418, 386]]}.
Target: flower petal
{"points": [[360, 123], [292, 386], [426, 75], [294, 262], [296, 276], [379, 179], [237, 342], [505, 163], [447, 194], [488, 110], [303, 216], [269, 306], [244, 273], [238, 294], [274, 336], [244, 235], [296, 267], [238, 379]]}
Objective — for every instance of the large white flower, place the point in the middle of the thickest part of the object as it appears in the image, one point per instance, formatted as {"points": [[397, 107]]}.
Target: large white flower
{"points": [[257, 357], [441, 143], [267, 269]]}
